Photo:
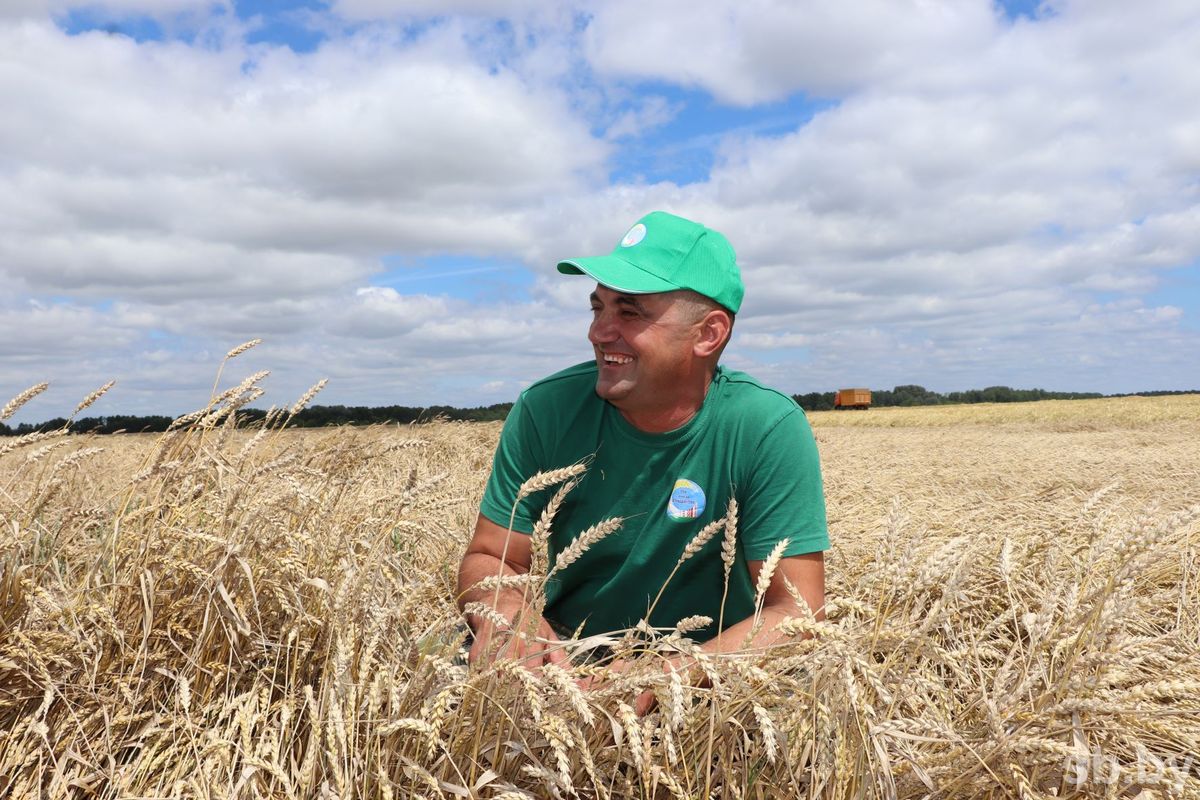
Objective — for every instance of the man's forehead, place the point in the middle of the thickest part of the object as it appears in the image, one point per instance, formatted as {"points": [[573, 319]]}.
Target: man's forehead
{"points": [[649, 299]]}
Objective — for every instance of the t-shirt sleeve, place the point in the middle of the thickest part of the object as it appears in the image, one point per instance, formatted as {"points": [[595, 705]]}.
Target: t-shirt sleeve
{"points": [[516, 460], [785, 497]]}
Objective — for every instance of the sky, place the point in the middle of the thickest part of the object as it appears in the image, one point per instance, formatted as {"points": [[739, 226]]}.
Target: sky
{"points": [[953, 193]]}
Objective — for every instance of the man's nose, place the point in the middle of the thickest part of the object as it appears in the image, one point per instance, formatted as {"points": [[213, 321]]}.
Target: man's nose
{"points": [[602, 328]]}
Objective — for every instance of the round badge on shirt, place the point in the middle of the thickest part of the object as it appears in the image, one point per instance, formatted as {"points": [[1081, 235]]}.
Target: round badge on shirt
{"points": [[687, 501]]}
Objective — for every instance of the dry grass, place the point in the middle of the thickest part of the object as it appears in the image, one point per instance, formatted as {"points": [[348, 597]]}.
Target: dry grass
{"points": [[227, 613]]}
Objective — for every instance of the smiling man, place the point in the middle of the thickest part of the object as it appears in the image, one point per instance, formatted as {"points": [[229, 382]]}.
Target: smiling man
{"points": [[671, 436]]}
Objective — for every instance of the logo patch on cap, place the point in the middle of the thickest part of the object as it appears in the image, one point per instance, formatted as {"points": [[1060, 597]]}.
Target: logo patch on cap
{"points": [[635, 235], [687, 501]]}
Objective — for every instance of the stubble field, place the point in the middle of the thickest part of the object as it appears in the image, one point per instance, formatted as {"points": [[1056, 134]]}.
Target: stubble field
{"points": [[218, 612]]}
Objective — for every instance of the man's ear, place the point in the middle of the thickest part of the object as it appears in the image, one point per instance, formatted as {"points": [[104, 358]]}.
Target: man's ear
{"points": [[714, 331]]}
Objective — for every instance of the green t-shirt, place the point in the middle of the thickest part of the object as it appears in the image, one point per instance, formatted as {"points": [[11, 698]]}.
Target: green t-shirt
{"points": [[747, 441]]}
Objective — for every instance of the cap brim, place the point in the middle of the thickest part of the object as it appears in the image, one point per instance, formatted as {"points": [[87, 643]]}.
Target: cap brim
{"points": [[617, 274]]}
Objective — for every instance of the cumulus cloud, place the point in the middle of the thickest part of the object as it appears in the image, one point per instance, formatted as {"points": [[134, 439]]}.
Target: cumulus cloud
{"points": [[158, 168], [995, 193], [751, 51], [160, 8], [365, 119]]}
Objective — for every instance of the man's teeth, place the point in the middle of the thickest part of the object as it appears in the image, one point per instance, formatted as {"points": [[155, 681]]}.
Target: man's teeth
{"points": [[613, 358]]}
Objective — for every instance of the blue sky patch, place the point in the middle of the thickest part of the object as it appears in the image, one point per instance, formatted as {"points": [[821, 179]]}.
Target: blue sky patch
{"points": [[285, 23], [1180, 288], [470, 278], [140, 28], [683, 150], [1030, 9]]}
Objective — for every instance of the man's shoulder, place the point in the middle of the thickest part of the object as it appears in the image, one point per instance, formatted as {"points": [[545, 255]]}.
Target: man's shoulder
{"points": [[571, 380], [753, 411], [752, 393], [573, 386]]}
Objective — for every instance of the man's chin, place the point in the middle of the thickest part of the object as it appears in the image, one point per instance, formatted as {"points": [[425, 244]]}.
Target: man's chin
{"points": [[612, 391]]}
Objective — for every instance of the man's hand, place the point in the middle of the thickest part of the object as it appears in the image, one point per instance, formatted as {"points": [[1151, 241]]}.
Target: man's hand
{"points": [[646, 700], [531, 646], [509, 629]]}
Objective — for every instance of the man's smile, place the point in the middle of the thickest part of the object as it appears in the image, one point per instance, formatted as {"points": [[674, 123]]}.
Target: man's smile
{"points": [[614, 359]]}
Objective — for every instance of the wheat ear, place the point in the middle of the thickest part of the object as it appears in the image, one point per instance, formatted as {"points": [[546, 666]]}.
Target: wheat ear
{"points": [[764, 582], [24, 397], [91, 398], [540, 539], [583, 541], [544, 480], [241, 348], [307, 397]]}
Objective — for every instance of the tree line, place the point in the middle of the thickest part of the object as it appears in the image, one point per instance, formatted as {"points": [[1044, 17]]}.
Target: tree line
{"points": [[311, 417], [323, 416]]}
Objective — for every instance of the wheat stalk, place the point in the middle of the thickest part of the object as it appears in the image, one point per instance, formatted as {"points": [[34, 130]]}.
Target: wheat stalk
{"points": [[702, 537]]}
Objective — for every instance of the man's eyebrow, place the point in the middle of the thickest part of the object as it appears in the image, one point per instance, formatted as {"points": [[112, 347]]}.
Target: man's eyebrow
{"points": [[621, 300]]}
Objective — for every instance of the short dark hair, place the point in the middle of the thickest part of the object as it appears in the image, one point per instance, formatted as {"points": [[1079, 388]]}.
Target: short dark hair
{"points": [[697, 307]]}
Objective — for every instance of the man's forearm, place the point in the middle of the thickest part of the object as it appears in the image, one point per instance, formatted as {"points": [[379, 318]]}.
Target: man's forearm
{"points": [[795, 582], [733, 638]]}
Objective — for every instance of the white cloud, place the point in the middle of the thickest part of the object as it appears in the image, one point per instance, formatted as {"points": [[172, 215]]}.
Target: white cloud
{"points": [[362, 119], [150, 168], [751, 51], [158, 8], [994, 194], [384, 312], [37, 333], [770, 341]]}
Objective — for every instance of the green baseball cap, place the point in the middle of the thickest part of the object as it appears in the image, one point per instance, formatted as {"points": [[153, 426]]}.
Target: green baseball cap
{"points": [[663, 253]]}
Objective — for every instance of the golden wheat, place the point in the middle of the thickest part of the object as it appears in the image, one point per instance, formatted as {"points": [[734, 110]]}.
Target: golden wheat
{"points": [[1013, 612]]}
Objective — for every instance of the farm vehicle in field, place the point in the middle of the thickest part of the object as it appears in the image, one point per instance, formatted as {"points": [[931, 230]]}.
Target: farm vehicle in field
{"points": [[852, 398]]}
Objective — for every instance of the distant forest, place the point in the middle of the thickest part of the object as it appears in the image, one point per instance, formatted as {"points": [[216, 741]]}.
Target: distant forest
{"points": [[322, 416]]}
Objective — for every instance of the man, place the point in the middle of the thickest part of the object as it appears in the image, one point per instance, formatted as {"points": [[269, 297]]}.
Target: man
{"points": [[670, 437]]}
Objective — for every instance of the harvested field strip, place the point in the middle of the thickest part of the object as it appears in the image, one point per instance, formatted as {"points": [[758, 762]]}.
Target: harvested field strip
{"points": [[1121, 413]]}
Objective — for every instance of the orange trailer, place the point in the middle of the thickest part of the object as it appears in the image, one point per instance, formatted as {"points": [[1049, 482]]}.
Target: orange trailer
{"points": [[852, 398]]}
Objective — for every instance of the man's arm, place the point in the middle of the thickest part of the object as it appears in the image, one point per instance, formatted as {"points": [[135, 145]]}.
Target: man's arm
{"points": [[497, 551], [806, 574]]}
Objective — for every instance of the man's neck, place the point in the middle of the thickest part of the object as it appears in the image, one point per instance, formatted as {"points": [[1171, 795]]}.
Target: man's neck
{"points": [[662, 420]]}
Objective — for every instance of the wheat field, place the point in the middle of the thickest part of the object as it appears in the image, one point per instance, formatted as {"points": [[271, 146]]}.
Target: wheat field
{"points": [[226, 612]]}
